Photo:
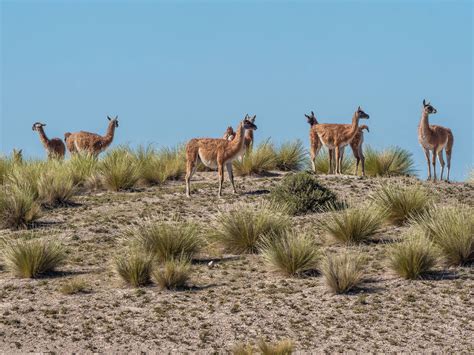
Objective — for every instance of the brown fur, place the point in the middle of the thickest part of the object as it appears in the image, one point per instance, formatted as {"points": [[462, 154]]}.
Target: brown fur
{"points": [[216, 153], [356, 146], [336, 136], [91, 143], [55, 148], [314, 141], [434, 138], [229, 134]]}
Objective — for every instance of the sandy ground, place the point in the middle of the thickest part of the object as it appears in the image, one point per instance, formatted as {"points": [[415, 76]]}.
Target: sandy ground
{"points": [[240, 300]]}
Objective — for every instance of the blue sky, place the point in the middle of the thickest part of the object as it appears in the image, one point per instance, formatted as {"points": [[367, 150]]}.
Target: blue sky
{"points": [[176, 70]]}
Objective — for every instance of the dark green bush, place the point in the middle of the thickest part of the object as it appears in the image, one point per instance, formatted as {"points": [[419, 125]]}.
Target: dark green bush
{"points": [[302, 193]]}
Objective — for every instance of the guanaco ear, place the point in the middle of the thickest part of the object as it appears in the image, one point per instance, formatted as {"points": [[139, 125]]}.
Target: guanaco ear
{"points": [[305, 115], [424, 102], [358, 109], [43, 124], [312, 114], [109, 118], [116, 117], [253, 118]]}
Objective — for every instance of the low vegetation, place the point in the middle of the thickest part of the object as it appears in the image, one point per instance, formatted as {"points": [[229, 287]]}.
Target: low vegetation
{"points": [[134, 268], [242, 229], [302, 193], [322, 162], [393, 161], [119, 170], [81, 168], [74, 286], [451, 228], [291, 254], [342, 272], [32, 258], [399, 203], [291, 156], [256, 161], [352, 226], [413, 257], [173, 274], [158, 166], [18, 207], [166, 240], [55, 186], [283, 347]]}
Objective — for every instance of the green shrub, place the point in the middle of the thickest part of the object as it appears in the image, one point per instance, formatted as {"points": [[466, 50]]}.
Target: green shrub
{"points": [[393, 161], [55, 185], [291, 156], [174, 274], [302, 193], [119, 169], [74, 286], [25, 176], [82, 168], [32, 258], [291, 253], [322, 161], [257, 161], [18, 207], [167, 240], [353, 225], [399, 202], [451, 228], [283, 347], [343, 272], [413, 257], [242, 229], [134, 268], [156, 167]]}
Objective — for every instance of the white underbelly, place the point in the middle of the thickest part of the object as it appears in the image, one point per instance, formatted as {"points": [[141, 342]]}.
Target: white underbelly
{"points": [[212, 164]]}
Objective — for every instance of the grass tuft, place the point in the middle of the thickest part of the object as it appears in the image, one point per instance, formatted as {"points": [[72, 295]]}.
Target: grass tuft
{"points": [[394, 161], [256, 161], [451, 228], [242, 229], [413, 257], [399, 203], [292, 254], [119, 170], [302, 193], [174, 274], [18, 207], [134, 268], [167, 240], [32, 258], [291, 156], [74, 286], [82, 168], [283, 347], [353, 225], [322, 161], [343, 272], [55, 185]]}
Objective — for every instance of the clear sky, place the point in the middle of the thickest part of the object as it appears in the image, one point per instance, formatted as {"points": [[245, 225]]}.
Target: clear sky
{"points": [[176, 70]]}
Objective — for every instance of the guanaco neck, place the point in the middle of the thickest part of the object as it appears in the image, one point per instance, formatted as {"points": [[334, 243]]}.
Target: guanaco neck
{"points": [[44, 139], [424, 122], [109, 137], [237, 143], [249, 135], [355, 125]]}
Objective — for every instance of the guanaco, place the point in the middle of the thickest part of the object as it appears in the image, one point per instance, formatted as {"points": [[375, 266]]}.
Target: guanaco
{"points": [[434, 138], [217, 153]]}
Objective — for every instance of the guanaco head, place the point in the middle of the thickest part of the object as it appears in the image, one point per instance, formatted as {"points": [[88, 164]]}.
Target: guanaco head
{"points": [[311, 119], [361, 114], [361, 128], [229, 133], [17, 156], [113, 120], [37, 126], [427, 108], [249, 122]]}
